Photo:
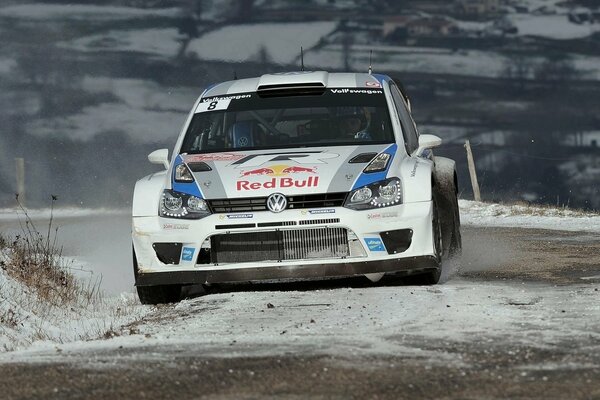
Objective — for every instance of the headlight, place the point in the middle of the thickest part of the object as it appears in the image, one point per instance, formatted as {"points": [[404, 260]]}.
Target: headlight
{"points": [[379, 194], [183, 174], [180, 205], [379, 163]]}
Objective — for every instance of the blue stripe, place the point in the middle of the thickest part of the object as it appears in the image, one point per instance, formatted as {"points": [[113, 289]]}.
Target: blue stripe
{"points": [[368, 178], [187, 188], [381, 78], [210, 87]]}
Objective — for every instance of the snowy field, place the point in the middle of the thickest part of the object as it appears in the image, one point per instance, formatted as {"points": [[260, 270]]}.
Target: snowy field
{"points": [[282, 42], [486, 214], [160, 43], [26, 319], [146, 111], [552, 26], [81, 12]]}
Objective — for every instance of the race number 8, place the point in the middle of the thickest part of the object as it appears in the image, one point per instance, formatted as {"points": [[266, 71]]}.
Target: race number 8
{"points": [[213, 105]]}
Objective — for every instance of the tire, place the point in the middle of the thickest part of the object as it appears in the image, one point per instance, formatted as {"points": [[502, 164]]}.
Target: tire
{"points": [[433, 277], [159, 294], [446, 188]]}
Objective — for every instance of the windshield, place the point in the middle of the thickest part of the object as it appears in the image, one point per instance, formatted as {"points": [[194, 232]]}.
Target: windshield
{"points": [[247, 121]]}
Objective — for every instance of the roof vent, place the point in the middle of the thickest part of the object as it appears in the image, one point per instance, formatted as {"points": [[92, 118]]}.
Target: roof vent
{"points": [[303, 83]]}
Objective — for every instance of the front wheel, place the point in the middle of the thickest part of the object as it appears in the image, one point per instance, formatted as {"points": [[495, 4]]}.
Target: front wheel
{"points": [[433, 277], [159, 294]]}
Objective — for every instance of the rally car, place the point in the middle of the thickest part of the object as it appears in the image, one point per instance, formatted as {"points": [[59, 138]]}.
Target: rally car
{"points": [[298, 175]]}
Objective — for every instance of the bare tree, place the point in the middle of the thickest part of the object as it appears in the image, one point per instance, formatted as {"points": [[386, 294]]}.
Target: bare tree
{"points": [[518, 68]]}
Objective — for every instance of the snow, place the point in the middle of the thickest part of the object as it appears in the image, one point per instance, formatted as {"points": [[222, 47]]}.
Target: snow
{"points": [[15, 214], [162, 43], [26, 319], [346, 322], [230, 43], [238, 43], [500, 215], [243, 42], [46, 12], [341, 321], [435, 60], [551, 26], [7, 65], [146, 111]]}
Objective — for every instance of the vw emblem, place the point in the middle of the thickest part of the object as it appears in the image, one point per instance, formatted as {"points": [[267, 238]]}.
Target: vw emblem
{"points": [[276, 202]]}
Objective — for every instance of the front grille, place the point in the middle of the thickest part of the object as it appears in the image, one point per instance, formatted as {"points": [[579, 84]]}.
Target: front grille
{"points": [[292, 244], [238, 205], [317, 200], [218, 206]]}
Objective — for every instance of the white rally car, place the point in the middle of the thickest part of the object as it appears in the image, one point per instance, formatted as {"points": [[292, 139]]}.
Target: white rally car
{"points": [[294, 176]]}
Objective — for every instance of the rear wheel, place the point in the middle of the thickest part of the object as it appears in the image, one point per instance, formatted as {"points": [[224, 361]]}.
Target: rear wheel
{"points": [[445, 187], [159, 294]]}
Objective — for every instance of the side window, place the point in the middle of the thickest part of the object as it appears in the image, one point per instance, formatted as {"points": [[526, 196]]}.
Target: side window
{"points": [[411, 137]]}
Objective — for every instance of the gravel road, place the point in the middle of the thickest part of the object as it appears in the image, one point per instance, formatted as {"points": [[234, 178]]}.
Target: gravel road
{"points": [[518, 317]]}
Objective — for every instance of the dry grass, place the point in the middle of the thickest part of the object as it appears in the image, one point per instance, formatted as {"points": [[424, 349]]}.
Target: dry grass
{"points": [[528, 209], [35, 259], [523, 207], [41, 299]]}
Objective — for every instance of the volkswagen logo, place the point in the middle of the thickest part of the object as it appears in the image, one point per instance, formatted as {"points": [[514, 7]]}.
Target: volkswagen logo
{"points": [[276, 202]]}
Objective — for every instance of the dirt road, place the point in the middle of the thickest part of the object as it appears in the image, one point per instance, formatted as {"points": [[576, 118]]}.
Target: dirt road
{"points": [[519, 317]]}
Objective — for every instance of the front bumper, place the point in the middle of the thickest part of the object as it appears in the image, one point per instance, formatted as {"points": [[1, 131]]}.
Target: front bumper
{"points": [[307, 271], [370, 230]]}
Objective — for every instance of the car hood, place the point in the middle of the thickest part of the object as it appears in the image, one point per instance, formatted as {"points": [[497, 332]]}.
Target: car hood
{"points": [[291, 171]]}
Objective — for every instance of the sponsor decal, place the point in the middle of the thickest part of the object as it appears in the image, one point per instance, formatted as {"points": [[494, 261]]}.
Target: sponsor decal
{"points": [[375, 244], [187, 254], [356, 91], [413, 173], [322, 211], [215, 105], [236, 216], [278, 175], [382, 215], [176, 227], [213, 157], [222, 98], [275, 183], [373, 84], [303, 158], [279, 170]]}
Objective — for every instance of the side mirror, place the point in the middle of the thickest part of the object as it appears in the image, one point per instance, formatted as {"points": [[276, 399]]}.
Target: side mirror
{"points": [[427, 142], [160, 157]]}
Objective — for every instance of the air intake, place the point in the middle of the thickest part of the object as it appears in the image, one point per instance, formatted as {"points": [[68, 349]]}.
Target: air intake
{"points": [[296, 89], [302, 83]]}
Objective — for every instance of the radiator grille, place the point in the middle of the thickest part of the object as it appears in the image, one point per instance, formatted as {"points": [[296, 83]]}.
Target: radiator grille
{"points": [[260, 203], [293, 244], [302, 244]]}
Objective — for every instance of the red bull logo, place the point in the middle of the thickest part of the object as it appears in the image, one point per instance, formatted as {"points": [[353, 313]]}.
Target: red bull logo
{"points": [[279, 170], [295, 170], [259, 171], [279, 179], [311, 181]]}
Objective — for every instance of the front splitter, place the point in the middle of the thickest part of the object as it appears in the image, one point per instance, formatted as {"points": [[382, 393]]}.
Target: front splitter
{"points": [[304, 271]]}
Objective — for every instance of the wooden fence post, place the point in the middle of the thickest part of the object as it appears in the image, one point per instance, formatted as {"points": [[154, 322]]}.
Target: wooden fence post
{"points": [[472, 171], [20, 164]]}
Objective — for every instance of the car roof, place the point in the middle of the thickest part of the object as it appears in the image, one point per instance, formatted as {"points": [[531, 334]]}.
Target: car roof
{"points": [[298, 79]]}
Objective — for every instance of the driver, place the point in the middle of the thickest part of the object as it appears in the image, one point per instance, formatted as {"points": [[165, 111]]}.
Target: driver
{"points": [[353, 123]]}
